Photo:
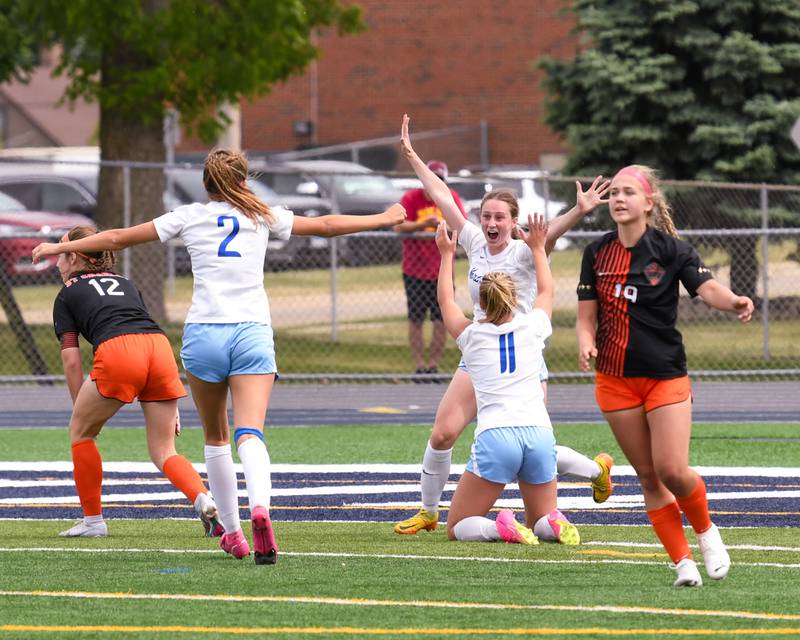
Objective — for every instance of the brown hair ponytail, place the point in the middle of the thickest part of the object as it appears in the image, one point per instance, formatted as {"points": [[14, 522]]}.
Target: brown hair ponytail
{"points": [[96, 261], [225, 178]]}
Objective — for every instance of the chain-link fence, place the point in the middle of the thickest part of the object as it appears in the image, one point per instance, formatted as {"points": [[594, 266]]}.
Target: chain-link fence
{"points": [[339, 306]]}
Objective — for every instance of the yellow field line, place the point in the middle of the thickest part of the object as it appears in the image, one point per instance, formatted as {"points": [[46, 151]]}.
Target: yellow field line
{"points": [[369, 602], [405, 631]]}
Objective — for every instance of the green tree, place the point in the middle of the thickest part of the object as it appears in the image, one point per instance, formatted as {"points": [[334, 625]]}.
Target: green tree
{"points": [[137, 58], [698, 89]]}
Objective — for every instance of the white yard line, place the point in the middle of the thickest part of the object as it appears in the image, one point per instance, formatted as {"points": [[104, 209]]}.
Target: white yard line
{"points": [[148, 467], [381, 556]]}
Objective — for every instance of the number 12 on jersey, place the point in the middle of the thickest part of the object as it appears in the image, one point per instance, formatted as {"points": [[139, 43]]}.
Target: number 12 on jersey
{"points": [[508, 361]]}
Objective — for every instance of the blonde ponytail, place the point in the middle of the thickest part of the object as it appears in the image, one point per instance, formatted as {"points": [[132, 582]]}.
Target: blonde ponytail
{"points": [[497, 295], [660, 216]]}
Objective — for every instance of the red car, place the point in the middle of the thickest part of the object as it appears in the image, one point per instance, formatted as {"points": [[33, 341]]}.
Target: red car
{"points": [[21, 230]]}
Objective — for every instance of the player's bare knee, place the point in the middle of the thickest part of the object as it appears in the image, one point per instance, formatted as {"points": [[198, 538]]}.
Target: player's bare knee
{"points": [[675, 478], [649, 480]]}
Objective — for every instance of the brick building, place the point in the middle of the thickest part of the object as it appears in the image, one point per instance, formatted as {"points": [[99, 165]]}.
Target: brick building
{"points": [[445, 63]]}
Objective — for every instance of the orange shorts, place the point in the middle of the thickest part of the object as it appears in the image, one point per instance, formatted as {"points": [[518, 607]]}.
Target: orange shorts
{"points": [[615, 393], [137, 365]]}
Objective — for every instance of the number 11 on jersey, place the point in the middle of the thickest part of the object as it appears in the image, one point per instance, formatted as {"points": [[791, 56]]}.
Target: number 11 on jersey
{"points": [[508, 360]]}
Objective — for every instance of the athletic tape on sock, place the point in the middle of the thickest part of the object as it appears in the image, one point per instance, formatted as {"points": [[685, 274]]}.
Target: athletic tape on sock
{"points": [[247, 431]]}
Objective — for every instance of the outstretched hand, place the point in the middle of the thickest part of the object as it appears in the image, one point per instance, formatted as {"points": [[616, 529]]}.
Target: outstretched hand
{"points": [[743, 306], [396, 214], [587, 200], [405, 139], [445, 242], [536, 235], [43, 250]]}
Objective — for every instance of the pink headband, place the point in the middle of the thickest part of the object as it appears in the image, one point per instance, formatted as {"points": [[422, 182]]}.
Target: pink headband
{"points": [[633, 172]]}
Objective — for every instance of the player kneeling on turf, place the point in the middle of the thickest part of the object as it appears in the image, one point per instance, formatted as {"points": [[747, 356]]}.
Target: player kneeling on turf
{"points": [[514, 438]]}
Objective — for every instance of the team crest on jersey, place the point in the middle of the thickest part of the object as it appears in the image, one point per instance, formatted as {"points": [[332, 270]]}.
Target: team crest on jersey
{"points": [[654, 272]]}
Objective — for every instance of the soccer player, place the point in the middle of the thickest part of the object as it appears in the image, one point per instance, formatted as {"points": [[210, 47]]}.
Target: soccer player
{"points": [[227, 340], [514, 438], [491, 247], [132, 359], [628, 305]]}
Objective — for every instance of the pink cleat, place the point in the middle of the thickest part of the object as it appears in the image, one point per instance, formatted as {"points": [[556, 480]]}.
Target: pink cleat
{"points": [[266, 551], [235, 543], [564, 530], [512, 531]]}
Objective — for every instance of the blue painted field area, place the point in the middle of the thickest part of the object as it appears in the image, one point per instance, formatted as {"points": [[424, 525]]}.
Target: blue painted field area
{"points": [[762, 497]]}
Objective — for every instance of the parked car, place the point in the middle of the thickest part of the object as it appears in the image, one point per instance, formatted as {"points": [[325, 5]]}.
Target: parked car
{"points": [[297, 252], [21, 230], [42, 191], [350, 188]]}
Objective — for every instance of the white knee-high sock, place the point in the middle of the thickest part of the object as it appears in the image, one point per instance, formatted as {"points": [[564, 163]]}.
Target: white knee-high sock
{"points": [[435, 472], [223, 484], [544, 531], [476, 529], [576, 464], [255, 462]]}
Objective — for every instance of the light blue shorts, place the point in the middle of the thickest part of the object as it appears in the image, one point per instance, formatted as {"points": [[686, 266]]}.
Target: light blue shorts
{"points": [[544, 373], [509, 453], [214, 352]]}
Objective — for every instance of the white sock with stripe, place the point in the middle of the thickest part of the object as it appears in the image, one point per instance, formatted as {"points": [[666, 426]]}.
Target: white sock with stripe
{"points": [[255, 461]]}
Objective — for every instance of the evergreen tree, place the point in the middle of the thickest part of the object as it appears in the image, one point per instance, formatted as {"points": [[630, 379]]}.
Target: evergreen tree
{"points": [[698, 89]]}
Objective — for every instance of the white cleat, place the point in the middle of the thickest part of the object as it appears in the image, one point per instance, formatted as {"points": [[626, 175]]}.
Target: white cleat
{"points": [[688, 575], [715, 555], [83, 530]]}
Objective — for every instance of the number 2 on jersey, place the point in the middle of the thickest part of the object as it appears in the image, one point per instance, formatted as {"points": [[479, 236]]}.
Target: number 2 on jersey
{"points": [[223, 250], [508, 360]]}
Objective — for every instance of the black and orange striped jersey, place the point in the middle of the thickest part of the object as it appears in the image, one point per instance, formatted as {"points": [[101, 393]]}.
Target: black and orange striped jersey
{"points": [[637, 293], [100, 306]]}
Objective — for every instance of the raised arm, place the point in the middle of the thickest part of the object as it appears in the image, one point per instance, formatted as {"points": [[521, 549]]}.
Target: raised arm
{"points": [[339, 225], [536, 238], [433, 184], [111, 240], [585, 202], [720, 297], [454, 319]]}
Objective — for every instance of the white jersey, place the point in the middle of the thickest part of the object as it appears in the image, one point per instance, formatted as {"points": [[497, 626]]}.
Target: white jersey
{"points": [[504, 363], [227, 250], [516, 260]]}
